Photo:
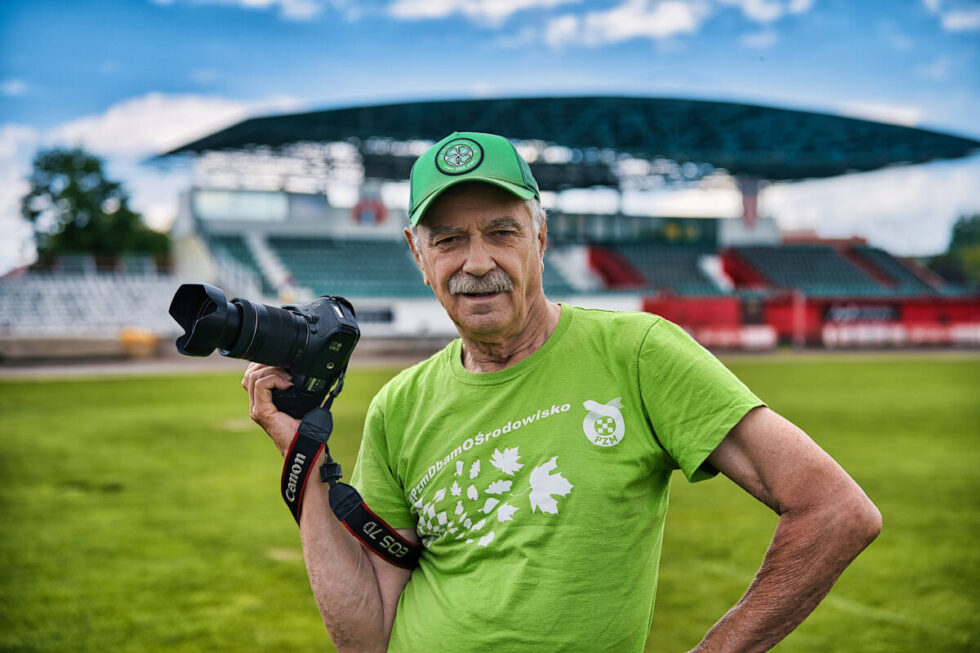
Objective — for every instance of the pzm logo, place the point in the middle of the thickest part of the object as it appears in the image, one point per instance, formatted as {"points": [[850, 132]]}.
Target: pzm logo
{"points": [[604, 425]]}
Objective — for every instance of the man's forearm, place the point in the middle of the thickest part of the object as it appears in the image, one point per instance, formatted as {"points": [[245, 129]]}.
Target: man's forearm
{"points": [[809, 551], [343, 580]]}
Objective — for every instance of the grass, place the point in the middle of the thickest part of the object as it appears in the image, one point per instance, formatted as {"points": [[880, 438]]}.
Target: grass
{"points": [[142, 514]]}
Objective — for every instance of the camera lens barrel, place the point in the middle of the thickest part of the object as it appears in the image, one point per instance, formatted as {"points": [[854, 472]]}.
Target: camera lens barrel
{"points": [[268, 335]]}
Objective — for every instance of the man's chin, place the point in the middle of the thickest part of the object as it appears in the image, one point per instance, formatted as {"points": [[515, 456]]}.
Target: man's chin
{"points": [[483, 314]]}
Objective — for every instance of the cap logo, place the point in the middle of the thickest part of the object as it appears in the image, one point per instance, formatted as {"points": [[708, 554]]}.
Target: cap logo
{"points": [[459, 156]]}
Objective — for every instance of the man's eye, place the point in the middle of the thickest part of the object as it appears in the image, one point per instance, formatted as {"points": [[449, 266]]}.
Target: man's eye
{"points": [[447, 241]]}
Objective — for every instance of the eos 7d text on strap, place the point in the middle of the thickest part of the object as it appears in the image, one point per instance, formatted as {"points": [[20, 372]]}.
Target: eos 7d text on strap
{"points": [[345, 501]]}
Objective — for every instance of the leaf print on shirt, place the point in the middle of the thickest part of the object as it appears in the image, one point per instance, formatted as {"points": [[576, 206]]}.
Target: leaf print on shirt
{"points": [[499, 487], [506, 461], [544, 485], [506, 512]]}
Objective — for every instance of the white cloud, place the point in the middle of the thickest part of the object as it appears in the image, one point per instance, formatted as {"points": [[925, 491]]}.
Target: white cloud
{"points": [[907, 210], [966, 20], [760, 11], [955, 15], [662, 20], [631, 19], [897, 114], [493, 12], [769, 11], [124, 134], [288, 9], [17, 144], [799, 6], [156, 122], [761, 40], [13, 87], [562, 30]]}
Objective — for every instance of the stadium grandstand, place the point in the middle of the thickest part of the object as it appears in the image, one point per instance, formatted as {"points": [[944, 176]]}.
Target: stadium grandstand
{"points": [[267, 220]]}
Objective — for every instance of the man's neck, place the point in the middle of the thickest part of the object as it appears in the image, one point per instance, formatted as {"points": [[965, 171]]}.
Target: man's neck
{"points": [[483, 356]]}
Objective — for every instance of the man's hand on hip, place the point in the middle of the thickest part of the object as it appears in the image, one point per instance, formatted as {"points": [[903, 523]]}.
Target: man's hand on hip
{"points": [[259, 380]]}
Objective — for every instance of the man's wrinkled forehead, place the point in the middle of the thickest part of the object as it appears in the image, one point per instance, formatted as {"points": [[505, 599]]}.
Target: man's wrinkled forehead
{"points": [[456, 202]]}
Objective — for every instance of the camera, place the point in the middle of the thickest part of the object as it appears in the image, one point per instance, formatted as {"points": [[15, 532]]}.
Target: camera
{"points": [[312, 342]]}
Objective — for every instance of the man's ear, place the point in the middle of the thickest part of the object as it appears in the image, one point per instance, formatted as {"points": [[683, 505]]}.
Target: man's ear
{"points": [[416, 255], [543, 240]]}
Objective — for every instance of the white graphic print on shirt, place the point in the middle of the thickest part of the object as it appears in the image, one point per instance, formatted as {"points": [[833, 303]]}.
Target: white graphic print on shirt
{"points": [[499, 491]]}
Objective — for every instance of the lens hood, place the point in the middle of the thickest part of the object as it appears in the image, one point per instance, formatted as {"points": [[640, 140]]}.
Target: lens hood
{"points": [[208, 319]]}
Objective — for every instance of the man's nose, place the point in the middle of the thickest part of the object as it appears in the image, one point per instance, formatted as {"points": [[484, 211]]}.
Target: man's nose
{"points": [[479, 260]]}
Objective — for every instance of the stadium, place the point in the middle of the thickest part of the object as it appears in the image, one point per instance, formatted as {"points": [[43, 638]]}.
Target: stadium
{"points": [[260, 222], [124, 532]]}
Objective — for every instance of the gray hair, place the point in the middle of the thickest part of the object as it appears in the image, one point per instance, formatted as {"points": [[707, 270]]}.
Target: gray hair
{"points": [[539, 215]]}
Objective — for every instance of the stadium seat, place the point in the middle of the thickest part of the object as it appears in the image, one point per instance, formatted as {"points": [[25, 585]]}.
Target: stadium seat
{"points": [[351, 268], [817, 270], [671, 268], [907, 283], [235, 247], [86, 305]]}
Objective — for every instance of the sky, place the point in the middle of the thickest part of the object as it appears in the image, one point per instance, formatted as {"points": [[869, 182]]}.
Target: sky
{"points": [[128, 79]]}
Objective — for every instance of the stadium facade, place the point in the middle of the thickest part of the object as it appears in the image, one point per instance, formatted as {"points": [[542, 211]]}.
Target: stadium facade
{"points": [[264, 222]]}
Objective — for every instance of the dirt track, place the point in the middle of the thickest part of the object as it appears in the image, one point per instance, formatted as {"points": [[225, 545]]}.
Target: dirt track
{"points": [[374, 356]]}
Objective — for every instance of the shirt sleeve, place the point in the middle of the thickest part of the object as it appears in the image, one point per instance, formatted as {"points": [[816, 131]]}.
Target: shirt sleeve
{"points": [[373, 476], [691, 398]]}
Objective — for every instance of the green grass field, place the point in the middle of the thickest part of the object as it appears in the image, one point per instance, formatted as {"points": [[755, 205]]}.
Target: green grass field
{"points": [[142, 513]]}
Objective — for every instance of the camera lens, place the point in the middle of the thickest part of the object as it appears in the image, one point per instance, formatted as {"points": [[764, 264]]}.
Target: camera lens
{"points": [[237, 328], [269, 335]]}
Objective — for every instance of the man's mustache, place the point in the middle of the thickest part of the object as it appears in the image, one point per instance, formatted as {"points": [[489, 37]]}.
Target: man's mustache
{"points": [[496, 280]]}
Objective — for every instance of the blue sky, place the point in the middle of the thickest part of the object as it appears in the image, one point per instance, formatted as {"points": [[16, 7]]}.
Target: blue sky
{"points": [[129, 78]]}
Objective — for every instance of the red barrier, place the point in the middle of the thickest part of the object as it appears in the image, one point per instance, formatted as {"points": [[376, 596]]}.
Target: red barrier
{"points": [[741, 272], [696, 311], [616, 272]]}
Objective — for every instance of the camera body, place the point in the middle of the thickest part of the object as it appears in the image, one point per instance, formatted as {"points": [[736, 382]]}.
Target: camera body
{"points": [[312, 342]]}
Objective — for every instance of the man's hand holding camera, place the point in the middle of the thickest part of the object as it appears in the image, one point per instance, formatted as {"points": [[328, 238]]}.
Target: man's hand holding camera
{"points": [[259, 380]]}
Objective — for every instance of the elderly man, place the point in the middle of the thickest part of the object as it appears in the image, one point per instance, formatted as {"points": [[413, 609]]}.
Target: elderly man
{"points": [[532, 456]]}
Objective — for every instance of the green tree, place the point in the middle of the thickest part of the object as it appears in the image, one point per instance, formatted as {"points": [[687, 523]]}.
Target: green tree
{"points": [[75, 209], [961, 261]]}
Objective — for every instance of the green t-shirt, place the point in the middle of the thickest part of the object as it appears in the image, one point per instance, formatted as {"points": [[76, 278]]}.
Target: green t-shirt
{"points": [[539, 491]]}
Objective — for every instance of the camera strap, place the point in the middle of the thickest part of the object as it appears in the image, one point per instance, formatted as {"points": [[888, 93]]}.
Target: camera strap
{"points": [[345, 501]]}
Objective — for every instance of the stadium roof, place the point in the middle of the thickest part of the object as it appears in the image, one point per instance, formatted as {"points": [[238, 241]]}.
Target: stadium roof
{"points": [[744, 139]]}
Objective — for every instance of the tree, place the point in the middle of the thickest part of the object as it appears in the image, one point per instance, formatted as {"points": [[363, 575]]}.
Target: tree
{"points": [[75, 209], [961, 261]]}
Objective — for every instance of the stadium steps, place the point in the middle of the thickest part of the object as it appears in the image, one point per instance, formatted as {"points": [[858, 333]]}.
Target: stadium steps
{"points": [[904, 281], [616, 272], [236, 248]]}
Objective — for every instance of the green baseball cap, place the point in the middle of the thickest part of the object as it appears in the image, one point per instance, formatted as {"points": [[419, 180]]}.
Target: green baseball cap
{"points": [[468, 156]]}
